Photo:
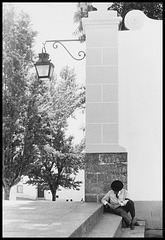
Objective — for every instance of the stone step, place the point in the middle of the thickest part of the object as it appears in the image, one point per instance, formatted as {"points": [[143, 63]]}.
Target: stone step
{"points": [[59, 219], [109, 225], [84, 219], [49, 219], [138, 232]]}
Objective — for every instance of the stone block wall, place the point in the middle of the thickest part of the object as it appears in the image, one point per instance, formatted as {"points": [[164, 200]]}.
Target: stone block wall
{"points": [[101, 169]]}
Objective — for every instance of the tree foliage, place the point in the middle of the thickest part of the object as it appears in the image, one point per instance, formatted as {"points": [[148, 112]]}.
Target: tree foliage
{"points": [[56, 161], [153, 10], [18, 38], [35, 114]]}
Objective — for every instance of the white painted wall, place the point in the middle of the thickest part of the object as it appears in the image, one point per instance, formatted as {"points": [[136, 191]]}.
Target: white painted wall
{"points": [[140, 107], [31, 192]]}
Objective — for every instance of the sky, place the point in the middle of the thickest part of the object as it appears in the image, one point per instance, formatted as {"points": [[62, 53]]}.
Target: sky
{"points": [[55, 21]]}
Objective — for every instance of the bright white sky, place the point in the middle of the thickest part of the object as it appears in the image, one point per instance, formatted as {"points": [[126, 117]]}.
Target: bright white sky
{"points": [[55, 21]]}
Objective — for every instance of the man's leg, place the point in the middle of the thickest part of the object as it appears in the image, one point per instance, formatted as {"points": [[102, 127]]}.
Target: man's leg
{"points": [[121, 212], [130, 207]]}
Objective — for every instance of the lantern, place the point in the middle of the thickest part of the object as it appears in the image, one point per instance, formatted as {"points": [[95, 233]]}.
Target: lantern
{"points": [[44, 67]]}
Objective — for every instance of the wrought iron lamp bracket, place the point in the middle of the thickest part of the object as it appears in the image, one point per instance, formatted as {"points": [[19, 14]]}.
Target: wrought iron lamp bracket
{"points": [[82, 54]]}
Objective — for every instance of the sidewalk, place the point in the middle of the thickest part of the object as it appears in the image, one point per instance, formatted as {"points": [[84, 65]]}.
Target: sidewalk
{"points": [[47, 218]]}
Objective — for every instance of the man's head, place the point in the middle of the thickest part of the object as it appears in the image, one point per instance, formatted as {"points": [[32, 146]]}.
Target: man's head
{"points": [[116, 186]]}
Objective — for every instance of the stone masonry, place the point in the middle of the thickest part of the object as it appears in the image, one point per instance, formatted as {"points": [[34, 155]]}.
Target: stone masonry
{"points": [[101, 170]]}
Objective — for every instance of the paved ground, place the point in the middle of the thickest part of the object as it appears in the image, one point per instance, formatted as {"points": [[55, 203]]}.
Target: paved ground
{"points": [[44, 218]]}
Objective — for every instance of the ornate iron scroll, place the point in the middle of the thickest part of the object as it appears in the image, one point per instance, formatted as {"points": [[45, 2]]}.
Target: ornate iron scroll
{"points": [[82, 54]]}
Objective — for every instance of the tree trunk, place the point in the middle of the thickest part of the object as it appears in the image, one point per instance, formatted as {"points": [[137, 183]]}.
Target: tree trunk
{"points": [[6, 192], [53, 195]]}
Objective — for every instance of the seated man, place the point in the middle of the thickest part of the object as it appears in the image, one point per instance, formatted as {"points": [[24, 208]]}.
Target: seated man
{"points": [[116, 201]]}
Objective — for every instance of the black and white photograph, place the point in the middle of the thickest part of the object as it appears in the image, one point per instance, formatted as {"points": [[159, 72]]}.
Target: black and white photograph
{"points": [[82, 120]]}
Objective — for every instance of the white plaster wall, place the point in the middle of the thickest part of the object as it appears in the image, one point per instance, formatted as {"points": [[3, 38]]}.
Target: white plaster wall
{"points": [[69, 194], [31, 192], [140, 108]]}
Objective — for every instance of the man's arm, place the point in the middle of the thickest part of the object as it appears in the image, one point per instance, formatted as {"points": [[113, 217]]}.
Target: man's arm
{"points": [[110, 205], [105, 199], [126, 197]]}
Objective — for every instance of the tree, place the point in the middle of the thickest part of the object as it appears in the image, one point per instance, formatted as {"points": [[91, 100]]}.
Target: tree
{"points": [[18, 38], [151, 9], [56, 161], [82, 11]]}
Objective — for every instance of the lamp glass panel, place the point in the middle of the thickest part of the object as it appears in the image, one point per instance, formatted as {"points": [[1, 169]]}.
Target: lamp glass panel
{"points": [[43, 70], [51, 70]]}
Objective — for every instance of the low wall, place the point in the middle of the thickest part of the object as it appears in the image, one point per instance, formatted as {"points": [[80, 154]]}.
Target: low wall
{"points": [[151, 212]]}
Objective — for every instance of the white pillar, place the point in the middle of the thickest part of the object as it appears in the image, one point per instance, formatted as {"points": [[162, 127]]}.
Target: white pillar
{"points": [[102, 120]]}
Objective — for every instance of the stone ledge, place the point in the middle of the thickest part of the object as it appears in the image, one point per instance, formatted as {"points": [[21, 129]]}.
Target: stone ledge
{"points": [[49, 219], [94, 212], [108, 226]]}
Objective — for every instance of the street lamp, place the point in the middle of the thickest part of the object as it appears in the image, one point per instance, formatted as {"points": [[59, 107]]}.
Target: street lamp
{"points": [[44, 67]]}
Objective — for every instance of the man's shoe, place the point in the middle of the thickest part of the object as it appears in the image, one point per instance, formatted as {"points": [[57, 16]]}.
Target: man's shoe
{"points": [[137, 224], [133, 223], [124, 225], [132, 227]]}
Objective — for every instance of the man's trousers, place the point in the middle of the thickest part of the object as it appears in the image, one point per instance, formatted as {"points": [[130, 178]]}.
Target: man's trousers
{"points": [[123, 211]]}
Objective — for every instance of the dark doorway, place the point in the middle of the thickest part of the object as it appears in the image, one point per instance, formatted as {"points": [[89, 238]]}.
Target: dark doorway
{"points": [[40, 192]]}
